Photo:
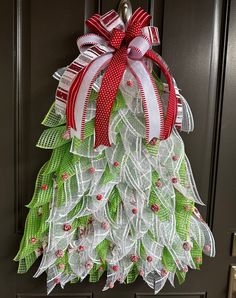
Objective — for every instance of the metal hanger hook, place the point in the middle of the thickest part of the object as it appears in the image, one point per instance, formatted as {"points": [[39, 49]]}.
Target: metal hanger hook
{"points": [[125, 10]]}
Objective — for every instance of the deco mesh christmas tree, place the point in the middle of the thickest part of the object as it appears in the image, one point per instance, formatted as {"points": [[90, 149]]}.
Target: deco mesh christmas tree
{"points": [[124, 210]]}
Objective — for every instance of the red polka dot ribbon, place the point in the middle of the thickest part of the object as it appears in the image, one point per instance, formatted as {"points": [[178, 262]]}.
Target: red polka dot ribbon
{"points": [[113, 48]]}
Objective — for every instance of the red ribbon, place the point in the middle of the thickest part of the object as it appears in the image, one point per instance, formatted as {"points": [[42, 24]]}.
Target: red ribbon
{"points": [[114, 73], [119, 40], [107, 95]]}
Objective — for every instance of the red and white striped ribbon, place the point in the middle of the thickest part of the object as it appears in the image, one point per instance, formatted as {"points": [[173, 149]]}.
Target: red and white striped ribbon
{"points": [[96, 53], [81, 95], [72, 71]]}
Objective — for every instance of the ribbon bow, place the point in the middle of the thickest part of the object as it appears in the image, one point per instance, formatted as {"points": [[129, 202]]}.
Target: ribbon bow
{"points": [[114, 48]]}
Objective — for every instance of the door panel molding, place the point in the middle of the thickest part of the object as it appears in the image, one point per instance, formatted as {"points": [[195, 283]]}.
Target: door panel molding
{"points": [[187, 295], [64, 295], [219, 53], [21, 52], [23, 97]]}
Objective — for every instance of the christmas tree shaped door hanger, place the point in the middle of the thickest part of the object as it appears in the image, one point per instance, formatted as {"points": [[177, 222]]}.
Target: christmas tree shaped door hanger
{"points": [[117, 197]]}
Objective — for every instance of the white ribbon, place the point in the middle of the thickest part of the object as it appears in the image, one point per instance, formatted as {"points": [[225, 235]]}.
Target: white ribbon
{"points": [[96, 54]]}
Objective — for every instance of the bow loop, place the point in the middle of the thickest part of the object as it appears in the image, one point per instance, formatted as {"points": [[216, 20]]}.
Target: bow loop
{"points": [[138, 47], [86, 41], [111, 20], [117, 36], [152, 34], [112, 49], [132, 31]]}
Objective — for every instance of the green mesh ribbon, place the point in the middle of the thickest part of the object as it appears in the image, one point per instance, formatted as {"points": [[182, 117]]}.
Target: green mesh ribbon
{"points": [[26, 263], [62, 163], [153, 149], [142, 251], [164, 212], [52, 119], [102, 249], [52, 138], [181, 276], [107, 176], [67, 165], [196, 253], [168, 261], [182, 216], [113, 203], [133, 274]]}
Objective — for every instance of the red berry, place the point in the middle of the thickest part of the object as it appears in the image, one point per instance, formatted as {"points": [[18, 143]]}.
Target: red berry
{"points": [[81, 248], [59, 253], [153, 141], [116, 164], [64, 176], [40, 250], [33, 240], [174, 158], [57, 280], [90, 221], [187, 246], [120, 279], [198, 260], [163, 272], [61, 266], [99, 197], [130, 83], [141, 273], [149, 259], [174, 180], [89, 265], [135, 210], [187, 208], [92, 170], [159, 183], [155, 208], [67, 227], [207, 248], [177, 262], [105, 225], [115, 268], [134, 258], [66, 135], [44, 187]]}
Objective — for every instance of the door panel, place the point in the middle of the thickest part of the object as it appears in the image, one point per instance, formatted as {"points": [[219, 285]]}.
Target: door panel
{"points": [[39, 37], [225, 202], [188, 37]]}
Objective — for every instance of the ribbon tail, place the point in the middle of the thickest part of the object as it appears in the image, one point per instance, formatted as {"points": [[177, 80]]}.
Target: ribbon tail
{"points": [[79, 95], [172, 101], [151, 100], [107, 96]]}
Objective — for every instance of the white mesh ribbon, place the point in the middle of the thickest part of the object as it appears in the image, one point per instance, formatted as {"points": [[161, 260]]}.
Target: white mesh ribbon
{"points": [[135, 226]]}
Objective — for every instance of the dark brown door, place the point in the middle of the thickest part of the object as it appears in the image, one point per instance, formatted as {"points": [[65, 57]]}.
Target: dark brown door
{"points": [[199, 44]]}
